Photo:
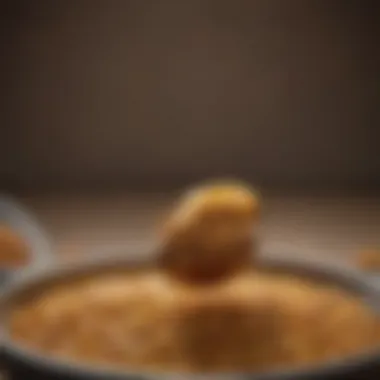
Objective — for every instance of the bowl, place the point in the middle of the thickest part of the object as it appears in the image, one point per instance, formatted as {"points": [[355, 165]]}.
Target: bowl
{"points": [[22, 222], [23, 363]]}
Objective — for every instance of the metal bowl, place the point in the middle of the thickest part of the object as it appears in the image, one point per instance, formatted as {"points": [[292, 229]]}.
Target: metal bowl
{"points": [[23, 363], [20, 220]]}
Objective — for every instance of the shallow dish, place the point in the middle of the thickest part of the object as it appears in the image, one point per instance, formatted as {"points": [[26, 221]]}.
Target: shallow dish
{"points": [[23, 363]]}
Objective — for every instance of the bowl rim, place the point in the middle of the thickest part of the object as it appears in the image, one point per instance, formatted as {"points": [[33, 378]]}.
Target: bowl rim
{"points": [[340, 274]]}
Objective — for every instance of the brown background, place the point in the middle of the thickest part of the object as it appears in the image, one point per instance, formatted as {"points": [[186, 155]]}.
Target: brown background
{"points": [[148, 94]]}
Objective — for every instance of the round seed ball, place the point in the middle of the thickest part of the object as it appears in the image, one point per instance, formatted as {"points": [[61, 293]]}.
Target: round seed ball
{"points": [[210, 232]]}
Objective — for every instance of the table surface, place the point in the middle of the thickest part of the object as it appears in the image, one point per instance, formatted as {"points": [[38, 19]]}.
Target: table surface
{"points": [[329, 226]]}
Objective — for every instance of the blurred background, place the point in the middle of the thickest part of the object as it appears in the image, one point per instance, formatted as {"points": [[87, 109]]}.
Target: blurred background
{"points": [[128, 96]]}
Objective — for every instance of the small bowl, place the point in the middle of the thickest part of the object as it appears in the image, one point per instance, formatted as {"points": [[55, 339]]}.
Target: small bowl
{"points": [[22, 222]]}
